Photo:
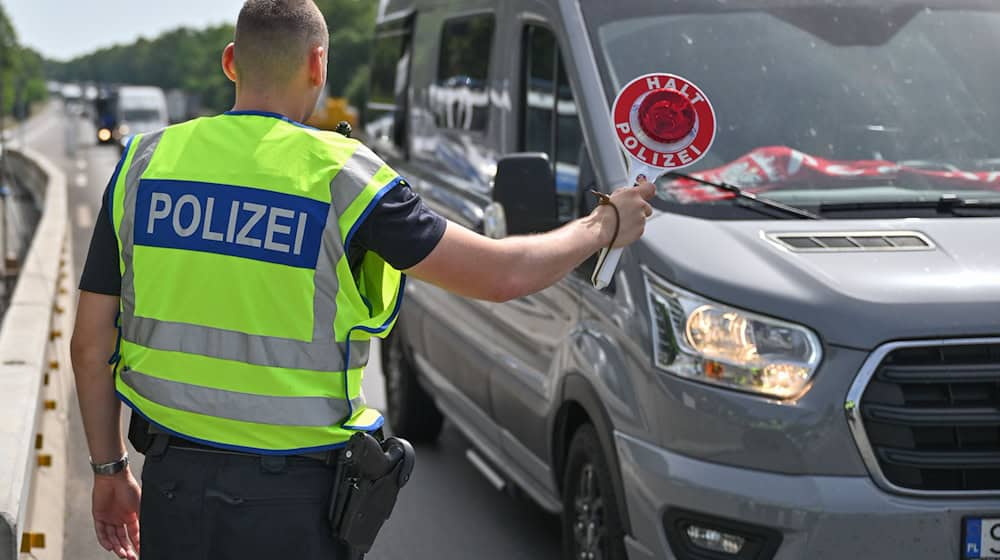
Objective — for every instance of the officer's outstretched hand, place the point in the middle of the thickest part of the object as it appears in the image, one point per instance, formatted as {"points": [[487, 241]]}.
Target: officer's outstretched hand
{"points": [[633, 209], [116, 513]]}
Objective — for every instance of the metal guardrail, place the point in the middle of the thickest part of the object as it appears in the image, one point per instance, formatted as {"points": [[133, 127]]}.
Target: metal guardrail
{"points": [[26, 337]]}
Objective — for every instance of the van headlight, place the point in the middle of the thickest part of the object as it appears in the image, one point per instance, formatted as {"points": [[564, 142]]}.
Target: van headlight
{"points": [[700, 339]]}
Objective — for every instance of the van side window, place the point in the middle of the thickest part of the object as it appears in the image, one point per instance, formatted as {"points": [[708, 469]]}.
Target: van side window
{"points": [[460, 98], [550, 118], [386, 108], [539, 105]]}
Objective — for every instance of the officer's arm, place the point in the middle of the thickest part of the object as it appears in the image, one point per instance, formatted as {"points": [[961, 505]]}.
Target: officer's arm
{"points": [[472, 265], [93, 343]]}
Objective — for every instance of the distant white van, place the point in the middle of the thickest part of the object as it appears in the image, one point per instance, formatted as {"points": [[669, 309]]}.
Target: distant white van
{"points": [[141, 109]]}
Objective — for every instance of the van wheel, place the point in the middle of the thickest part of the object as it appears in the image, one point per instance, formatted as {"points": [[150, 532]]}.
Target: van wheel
{"points": [[411, 411], [592, 527]]}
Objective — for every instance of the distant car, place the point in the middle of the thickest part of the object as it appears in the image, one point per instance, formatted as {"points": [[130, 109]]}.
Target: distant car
{"points": [[71, 92], [72, 95], [141, 109]]}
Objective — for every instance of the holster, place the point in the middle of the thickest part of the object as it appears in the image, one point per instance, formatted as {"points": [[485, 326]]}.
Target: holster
{"points": [[369, 477], [139, 434]]}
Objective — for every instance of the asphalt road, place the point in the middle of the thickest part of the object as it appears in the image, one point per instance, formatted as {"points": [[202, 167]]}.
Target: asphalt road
{"points": [[448, 511]]}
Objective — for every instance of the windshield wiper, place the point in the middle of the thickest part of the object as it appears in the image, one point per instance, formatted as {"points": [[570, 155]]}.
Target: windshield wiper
{"points": [[947, 204], [740, 193]]}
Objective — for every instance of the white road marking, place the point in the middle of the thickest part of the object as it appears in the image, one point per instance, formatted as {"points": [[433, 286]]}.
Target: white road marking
{"points": [[81, 164], [37, 129], [81, 180], [84, 215]]}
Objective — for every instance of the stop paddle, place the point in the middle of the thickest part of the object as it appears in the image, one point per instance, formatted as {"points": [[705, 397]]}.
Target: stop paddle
{"points": [[663, 123]]}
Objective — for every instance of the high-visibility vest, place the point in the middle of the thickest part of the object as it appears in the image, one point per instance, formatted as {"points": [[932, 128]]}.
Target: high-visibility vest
{"points": [[243, 323]]}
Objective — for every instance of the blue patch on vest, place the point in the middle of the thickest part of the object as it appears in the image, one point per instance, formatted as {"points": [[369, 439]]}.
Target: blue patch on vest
{"points": [[229, 220]]}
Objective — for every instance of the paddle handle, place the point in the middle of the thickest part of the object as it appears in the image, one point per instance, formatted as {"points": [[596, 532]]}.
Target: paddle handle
{"points": [[607, 262]]}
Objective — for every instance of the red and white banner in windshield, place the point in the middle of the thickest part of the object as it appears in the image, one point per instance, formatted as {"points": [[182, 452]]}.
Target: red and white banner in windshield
{"points": [[780, 167]]}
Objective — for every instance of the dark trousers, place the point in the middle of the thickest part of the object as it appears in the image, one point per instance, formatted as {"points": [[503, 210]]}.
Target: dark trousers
{"points": [[201, 505]]}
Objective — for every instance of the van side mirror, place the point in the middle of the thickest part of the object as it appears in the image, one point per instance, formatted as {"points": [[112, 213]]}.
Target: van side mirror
{"points": [[526, 189]]}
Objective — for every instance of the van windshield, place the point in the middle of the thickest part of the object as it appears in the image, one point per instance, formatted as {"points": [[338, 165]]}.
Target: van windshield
{"points": [[820, 102]]}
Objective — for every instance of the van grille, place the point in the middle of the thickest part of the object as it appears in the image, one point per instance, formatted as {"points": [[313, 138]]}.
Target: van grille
{"points": [[932, 417]]}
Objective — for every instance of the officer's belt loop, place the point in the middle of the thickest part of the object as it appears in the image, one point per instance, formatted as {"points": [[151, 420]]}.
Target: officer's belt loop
{"points": [[159, 446]]}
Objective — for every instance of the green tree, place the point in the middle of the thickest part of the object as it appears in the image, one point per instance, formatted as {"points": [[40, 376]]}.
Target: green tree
{"points": [[178, 59], [20, 70], [188, 59], [352, 24]]}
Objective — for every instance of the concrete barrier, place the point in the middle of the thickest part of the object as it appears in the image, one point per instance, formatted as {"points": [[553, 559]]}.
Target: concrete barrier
{"points": [[24, 344]]}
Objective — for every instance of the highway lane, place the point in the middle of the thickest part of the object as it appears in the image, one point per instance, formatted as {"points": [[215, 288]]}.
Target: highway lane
{"points": [[448, 511]]}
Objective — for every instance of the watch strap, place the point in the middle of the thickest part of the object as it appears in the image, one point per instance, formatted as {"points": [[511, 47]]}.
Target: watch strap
{"points": [[112, 468]]}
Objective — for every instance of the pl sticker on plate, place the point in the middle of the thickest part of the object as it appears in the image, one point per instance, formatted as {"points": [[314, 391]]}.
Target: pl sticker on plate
{"points": [[982, 539]]}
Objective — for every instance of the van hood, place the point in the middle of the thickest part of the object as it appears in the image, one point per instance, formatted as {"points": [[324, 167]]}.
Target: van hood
{"points": [[855, 298]]}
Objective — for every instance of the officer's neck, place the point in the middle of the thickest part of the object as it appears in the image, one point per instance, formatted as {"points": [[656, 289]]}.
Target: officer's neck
{"points": [[285, 105]]}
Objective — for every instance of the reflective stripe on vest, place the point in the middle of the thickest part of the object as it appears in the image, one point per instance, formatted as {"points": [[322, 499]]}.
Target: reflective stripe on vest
{"points": [[173, 208], [231, 345], [245, 407]]}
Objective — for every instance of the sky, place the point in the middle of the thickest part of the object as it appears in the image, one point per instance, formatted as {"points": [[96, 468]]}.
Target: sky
{"points": [[63, 29]]}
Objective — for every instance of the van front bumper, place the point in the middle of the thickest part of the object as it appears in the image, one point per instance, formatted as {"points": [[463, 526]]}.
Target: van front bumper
{"points": [[818, 517]]}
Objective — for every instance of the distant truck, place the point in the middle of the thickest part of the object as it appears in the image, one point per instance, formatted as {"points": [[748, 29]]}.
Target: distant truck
{"points": [[141, 109], [176, 106]]}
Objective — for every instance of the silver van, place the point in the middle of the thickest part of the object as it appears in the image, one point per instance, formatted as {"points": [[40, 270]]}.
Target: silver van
{"points": [[756, 383]]}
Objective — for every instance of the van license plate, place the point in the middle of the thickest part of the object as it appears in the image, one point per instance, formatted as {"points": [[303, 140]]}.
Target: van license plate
{"points": [[982, 539]]}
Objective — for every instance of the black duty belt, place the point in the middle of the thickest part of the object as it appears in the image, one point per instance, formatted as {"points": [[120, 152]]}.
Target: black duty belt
{"points": [[150, 439], [330, 457]]}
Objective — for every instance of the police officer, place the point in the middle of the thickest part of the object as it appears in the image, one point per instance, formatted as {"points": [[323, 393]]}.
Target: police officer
{"points": [[237, 271]]}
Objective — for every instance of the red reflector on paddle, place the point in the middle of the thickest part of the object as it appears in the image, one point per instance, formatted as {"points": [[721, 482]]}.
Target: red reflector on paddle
{"points": [[667, 115]]}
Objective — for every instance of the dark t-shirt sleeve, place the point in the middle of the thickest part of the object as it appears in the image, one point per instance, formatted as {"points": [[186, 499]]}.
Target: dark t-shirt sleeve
{"points": [[401, 229], [101, 273]]}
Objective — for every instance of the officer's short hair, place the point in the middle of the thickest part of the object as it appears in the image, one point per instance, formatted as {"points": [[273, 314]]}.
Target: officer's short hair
{"points": [[273, 38]]}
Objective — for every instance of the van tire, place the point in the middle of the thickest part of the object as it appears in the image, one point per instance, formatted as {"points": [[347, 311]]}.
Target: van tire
{"points": [[590, 519], [412, 413]]}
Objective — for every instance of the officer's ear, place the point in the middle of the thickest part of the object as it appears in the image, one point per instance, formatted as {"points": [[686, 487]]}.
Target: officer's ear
{"points": [[229, 62], [317, 66]]}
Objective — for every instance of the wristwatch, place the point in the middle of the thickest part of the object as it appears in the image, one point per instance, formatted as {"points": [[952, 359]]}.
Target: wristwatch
{"points": [[112, 468]]}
